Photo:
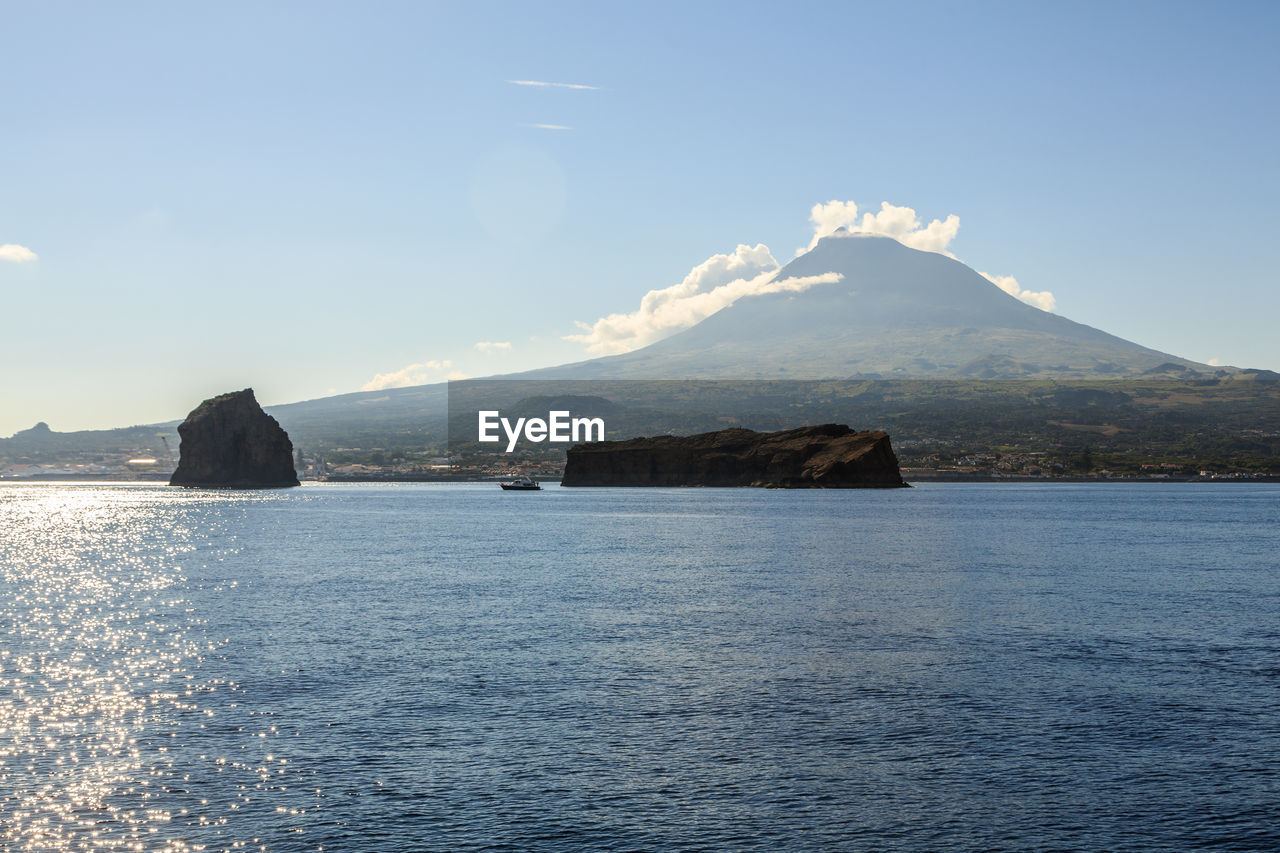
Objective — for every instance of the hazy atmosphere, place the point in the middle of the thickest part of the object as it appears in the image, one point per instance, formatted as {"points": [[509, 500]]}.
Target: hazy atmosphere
{"points": [[661, 426], [318, 198]]}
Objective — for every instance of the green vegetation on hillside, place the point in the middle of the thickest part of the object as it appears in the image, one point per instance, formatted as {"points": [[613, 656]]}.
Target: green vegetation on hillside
{"points": [[1046, 427]]}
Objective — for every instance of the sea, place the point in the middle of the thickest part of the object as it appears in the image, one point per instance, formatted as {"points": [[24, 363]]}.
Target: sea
{"points": [[349, 667]]}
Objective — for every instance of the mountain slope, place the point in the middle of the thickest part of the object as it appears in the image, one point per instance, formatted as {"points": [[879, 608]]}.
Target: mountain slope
{"points": [[896, 313]]}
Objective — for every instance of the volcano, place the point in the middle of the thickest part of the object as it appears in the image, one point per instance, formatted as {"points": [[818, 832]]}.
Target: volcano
{"points": [[895, 313]]}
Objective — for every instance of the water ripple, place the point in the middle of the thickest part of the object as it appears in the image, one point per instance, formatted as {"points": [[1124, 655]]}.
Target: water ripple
{"points": [[375, 668]]}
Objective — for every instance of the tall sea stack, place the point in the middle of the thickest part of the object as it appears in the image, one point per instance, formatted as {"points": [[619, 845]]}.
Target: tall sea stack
{"points": [[229, 442]]}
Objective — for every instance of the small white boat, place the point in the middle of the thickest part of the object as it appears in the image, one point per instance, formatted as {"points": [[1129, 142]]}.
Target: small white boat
{"points": [[522, 483]]}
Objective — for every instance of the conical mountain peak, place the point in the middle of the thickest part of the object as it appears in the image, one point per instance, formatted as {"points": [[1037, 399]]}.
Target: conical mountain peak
{"points": [[891, 312]]}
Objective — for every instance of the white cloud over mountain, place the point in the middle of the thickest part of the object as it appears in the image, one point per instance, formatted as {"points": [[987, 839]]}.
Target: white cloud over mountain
{"points": [[492, 346], [715, 283], [413, 374], [16, 254], [900, 223], [1041, 299], [723, 279]]}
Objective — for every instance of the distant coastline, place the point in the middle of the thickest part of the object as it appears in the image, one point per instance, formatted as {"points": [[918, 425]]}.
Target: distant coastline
{"points": [[908, 474]]}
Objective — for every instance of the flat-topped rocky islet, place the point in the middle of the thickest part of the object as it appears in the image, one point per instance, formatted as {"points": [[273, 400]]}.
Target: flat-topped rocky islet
{"points": [[831, 456]]}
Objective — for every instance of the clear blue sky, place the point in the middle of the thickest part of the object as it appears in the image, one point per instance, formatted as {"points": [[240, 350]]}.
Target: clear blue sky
{"points": [[300, 197]]}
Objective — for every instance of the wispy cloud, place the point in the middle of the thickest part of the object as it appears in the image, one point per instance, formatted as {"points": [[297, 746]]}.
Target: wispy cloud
{"points": [[549, 126], [413, 374], [493, 346], [1042, 299], [16, 254], [716, 283], [543, 84]]}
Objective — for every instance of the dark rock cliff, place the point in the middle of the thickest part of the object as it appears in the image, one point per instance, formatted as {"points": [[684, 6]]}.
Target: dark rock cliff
{"points": [[831, 456], [229, 442]]}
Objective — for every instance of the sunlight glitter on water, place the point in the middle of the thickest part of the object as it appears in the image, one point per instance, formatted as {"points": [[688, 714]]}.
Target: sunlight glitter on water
{"points": [[1003, 668], [97, 656]]}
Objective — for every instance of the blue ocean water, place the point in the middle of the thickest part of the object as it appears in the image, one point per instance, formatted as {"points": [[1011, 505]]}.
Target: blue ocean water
{"points": [[454, 668]]}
